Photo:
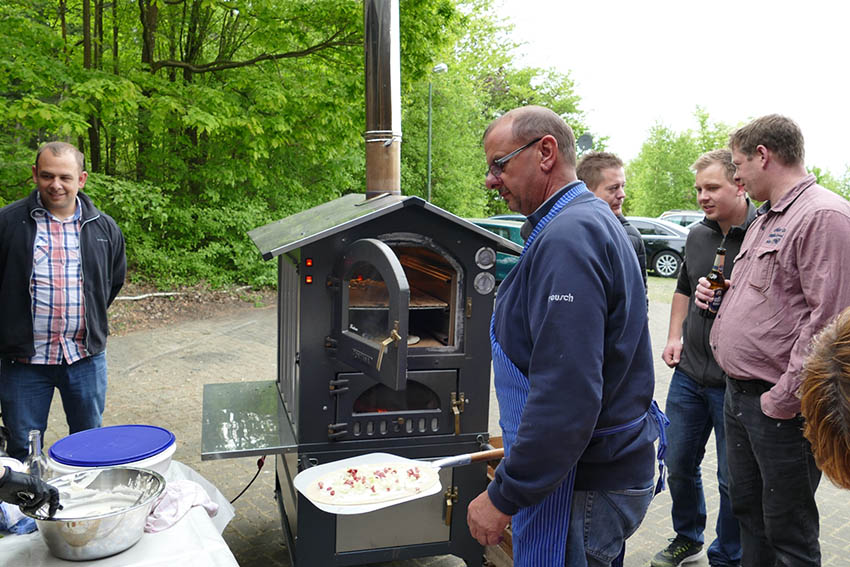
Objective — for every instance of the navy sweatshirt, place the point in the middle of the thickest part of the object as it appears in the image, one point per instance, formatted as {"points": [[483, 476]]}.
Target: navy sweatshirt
{"points": [[572, 317]]}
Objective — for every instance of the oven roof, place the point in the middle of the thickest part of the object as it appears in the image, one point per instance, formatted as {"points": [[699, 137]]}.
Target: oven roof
{"points": [[346, 212]]}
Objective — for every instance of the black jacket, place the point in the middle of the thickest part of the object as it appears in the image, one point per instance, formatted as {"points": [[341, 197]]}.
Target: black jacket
{"points": [[637, 244], [104, 267], [697, 361]]}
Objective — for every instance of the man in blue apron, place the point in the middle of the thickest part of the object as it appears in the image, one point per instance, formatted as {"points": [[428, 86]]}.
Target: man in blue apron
{"points": [[572, 362]]}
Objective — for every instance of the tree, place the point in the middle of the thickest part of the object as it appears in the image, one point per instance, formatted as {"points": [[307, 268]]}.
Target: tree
{"points": [[660, 178], [203, 120], [482, 83]]}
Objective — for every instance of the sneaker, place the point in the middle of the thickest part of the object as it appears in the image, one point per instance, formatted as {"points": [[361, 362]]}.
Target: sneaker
{"points": [[680, 551]]}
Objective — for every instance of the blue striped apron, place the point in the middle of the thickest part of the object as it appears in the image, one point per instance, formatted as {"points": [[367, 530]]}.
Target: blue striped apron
{"points": [[539, 532]]}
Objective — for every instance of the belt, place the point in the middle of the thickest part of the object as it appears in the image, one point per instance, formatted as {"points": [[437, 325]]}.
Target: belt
{"points": [[754, 386]]}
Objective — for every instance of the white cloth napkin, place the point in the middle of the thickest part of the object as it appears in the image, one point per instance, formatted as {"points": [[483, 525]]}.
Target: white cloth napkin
{"points": [[177, 499]]}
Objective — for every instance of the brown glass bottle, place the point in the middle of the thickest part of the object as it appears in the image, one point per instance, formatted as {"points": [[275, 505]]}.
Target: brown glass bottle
{"points": [[717, 282]]}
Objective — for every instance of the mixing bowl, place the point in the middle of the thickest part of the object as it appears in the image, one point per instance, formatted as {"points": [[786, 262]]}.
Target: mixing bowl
{"points": [[104, 511]]}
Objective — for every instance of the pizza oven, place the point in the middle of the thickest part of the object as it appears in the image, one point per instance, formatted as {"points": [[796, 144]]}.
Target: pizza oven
{"points": [[384, 305]]}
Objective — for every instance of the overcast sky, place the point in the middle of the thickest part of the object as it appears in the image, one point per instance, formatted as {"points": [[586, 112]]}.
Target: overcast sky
{"points": [[638, 62]]}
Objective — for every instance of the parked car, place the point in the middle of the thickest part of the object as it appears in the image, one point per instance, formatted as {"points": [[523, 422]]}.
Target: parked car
{"points": [[665, 244], [510, 216], [682, 217], [506, 228]]}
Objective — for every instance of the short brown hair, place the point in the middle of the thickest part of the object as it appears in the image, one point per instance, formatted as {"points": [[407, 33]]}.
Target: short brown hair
{"points": [[779, 134], [59, 148], [532, 121], [826, 399], [721, 156], [591, 165]]}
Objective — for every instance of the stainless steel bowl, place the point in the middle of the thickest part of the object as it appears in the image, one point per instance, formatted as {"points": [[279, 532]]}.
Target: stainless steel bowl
{"points": [[104, 511]]}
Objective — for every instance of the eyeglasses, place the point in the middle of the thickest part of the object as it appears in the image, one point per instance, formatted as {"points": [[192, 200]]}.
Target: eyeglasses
{"points": [[498, 166]]}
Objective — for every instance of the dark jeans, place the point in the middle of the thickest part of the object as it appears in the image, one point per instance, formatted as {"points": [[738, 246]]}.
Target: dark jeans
{"points": [[600, 522], [772, 481], [694, 410], [26, 391]]}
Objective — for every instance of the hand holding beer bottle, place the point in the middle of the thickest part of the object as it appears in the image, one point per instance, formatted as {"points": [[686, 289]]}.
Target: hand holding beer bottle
{"points": [[717, 283]]}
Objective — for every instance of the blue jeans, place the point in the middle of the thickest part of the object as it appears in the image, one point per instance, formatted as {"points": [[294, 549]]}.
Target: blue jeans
{"points": [[600, 522], [694, 410], [772, 481], [26, 391]]}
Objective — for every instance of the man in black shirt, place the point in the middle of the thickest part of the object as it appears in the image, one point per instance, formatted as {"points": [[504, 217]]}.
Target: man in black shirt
{"points": [[695, 398]]}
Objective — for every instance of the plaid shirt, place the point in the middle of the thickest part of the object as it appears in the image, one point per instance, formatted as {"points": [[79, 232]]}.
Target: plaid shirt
{"points": [[58, 306]]}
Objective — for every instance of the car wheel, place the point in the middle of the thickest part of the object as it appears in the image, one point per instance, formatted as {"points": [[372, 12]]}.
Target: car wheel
{"points": [[667, 264]]}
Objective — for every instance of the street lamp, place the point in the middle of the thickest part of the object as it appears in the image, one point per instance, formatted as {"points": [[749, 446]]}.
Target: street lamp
{"points": [[438, 68]]}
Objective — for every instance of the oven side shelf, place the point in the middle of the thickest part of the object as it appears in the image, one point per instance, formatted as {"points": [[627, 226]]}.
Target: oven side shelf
{"points": [[245, 419]]}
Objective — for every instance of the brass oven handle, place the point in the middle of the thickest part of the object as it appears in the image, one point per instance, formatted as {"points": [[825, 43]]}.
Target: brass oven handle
{"points": [[394, 337], [451, 498]]}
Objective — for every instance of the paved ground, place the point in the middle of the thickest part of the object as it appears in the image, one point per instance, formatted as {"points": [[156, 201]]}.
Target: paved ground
{"points": [[157, 377]]}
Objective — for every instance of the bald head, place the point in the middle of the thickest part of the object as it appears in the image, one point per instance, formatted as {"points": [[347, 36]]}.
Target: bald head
{"points": [[529, 122]]}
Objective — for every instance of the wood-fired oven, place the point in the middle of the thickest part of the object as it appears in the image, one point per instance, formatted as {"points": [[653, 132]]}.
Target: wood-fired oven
{"points": [[384, 305], [383, 346]]}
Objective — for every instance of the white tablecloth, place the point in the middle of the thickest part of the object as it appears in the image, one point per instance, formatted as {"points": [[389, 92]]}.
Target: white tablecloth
{"points": [[194, 541]]}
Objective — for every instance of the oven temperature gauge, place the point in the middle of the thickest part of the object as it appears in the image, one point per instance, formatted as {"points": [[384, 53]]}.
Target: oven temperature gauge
{"points": [[485, 258], [484, 283]]}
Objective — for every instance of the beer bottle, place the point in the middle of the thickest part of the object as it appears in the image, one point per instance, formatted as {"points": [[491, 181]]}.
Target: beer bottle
{"points": [[717, 282]]}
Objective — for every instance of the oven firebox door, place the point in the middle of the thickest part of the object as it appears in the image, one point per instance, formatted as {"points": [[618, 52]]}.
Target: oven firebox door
{"points": [[371, 318]]}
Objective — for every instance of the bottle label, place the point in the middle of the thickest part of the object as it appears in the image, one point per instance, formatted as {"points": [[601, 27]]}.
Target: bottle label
{"points": [[715, 302]]}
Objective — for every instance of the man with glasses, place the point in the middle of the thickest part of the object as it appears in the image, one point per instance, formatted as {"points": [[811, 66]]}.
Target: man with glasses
{"points": [[571, 359]]}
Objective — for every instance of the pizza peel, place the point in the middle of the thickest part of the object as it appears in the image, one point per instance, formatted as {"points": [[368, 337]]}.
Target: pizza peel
{"points": [[308, 476]]}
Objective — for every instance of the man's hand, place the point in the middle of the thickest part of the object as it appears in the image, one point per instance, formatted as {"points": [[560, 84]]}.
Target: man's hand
{"points": [[28, 492], [486, 523], [703, 294], [672, 353]]}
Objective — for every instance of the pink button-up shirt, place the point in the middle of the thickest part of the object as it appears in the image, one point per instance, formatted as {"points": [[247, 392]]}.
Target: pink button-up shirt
{"points": [[792, 276]]}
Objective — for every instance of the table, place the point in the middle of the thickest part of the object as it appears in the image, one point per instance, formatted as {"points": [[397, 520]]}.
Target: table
{"points": [[194, 541]]}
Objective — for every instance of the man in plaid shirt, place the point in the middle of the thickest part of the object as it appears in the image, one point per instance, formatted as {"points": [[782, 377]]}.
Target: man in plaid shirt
{"points": [[61, 265]]}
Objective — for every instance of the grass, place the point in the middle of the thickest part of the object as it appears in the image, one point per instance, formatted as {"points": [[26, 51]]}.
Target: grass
{"points": [[661, 289]]}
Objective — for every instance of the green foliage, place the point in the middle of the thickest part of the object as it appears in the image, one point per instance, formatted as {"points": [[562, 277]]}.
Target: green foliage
{"points": [[660, 178], [838, 185], [212, 118]]}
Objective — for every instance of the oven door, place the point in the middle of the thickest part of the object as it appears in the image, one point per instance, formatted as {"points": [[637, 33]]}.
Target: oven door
{"points": [[372, 312]]}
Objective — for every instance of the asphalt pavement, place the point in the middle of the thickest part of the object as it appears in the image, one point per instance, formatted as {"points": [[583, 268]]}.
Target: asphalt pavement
{"points": [[157, 377]]}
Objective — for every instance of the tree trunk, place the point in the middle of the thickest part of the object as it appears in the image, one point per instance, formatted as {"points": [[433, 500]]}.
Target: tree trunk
{"points": [[98, 34], [87, 34], [148, 13], [64, 25], [110, 149], [88, 63]]}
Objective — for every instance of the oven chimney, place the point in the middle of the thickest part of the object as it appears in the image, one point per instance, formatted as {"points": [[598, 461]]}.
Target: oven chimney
{"points": [[383, 98]]}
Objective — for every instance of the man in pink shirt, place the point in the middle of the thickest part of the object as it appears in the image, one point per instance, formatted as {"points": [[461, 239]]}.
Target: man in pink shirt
{"points": [[787, 286]]}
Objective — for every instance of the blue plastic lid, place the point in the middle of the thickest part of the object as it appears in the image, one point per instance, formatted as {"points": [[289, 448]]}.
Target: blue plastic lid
{"points": [[114, 445]]}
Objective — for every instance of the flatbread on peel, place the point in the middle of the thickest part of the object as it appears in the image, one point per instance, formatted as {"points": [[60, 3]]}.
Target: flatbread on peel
{"points": [[370, 484]]}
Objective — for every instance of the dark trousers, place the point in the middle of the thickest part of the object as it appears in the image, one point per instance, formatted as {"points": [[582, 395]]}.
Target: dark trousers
{"points": [[772, 481], [694, 411]]}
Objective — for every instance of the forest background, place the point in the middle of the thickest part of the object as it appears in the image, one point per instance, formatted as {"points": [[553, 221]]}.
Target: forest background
{"points": [[204, 119]]}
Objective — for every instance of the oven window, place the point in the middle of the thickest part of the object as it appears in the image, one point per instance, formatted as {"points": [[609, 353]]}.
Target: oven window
{"points": [[381, 399], [433, 293], [368, 301]]}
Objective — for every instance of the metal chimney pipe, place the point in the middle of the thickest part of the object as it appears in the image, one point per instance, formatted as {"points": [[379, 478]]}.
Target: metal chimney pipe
{"points": [[383, 98]]}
